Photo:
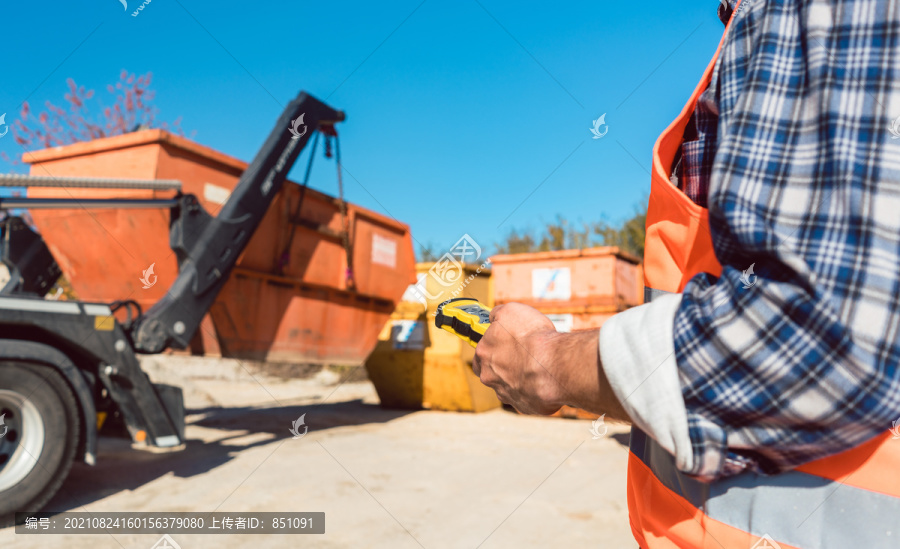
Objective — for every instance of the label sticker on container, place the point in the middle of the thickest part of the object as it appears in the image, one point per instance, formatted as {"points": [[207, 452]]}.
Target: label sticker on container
{"points": [[384, 251], [562, 323], [215, 194], [551, 284], [408, 335]]}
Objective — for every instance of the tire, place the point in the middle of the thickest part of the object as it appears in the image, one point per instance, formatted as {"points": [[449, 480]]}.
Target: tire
{"points": [[41, 420]]}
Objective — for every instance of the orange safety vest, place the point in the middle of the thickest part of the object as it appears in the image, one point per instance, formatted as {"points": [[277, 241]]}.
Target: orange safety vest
{"points": [[851, 499]]}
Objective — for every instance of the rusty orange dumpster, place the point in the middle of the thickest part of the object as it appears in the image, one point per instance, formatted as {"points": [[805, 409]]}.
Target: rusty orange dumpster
{"points": [[287, 299], [578, 289]]}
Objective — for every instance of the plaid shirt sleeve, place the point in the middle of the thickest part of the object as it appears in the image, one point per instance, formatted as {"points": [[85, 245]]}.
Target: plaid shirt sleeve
{"points": [[792, 353]]}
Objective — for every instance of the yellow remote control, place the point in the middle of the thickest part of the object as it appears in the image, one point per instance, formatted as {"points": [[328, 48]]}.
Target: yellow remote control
{"points": [[463, 317]]}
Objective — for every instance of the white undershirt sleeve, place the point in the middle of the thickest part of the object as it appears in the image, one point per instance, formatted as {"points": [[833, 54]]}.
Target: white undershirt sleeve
{"points": [[638, 357]]}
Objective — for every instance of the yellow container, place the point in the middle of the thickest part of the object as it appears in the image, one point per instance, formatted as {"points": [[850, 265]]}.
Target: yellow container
{"points": [[417, 365]]}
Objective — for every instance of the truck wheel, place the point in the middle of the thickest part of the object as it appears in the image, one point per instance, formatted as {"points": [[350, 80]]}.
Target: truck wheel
{"points": [[40, 432]]}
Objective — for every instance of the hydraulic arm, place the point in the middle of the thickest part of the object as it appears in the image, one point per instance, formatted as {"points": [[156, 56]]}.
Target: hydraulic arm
{"points": [[207, 247]]}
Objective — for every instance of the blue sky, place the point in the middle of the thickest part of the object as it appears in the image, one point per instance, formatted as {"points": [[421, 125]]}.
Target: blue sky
{"points": [[463, 117]]}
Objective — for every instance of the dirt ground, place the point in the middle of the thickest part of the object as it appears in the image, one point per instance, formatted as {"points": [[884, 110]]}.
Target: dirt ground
{"points": [[384, 478]]}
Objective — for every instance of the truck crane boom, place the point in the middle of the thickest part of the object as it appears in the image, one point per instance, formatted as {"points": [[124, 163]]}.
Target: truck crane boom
{"points": [[207, 247]]}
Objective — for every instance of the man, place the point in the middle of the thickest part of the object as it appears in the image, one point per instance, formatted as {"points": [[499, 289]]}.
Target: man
{"points": [[762, 377]]}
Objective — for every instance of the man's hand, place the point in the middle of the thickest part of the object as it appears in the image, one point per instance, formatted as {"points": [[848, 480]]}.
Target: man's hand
{"points": [[514, 359], [538, 370]]}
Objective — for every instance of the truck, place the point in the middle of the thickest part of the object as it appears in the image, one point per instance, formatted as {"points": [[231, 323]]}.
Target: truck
{"points": [[66, 366]]}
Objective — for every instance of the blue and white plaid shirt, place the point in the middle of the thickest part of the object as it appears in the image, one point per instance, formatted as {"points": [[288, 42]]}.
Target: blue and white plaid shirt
{"points": [[795, 152]]}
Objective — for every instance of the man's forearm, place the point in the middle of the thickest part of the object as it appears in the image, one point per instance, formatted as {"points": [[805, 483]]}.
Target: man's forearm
{"points": [[576, 359]]}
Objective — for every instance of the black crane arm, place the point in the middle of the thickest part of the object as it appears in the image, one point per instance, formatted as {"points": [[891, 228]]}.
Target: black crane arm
{"points": [[207, 247]]}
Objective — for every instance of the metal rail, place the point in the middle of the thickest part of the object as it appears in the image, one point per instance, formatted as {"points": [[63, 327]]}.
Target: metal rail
{"points": [[87, 203], [22, 180]]}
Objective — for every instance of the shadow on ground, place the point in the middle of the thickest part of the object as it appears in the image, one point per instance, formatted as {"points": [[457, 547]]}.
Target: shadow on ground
{"points": [[622, 438], [119, 467]]}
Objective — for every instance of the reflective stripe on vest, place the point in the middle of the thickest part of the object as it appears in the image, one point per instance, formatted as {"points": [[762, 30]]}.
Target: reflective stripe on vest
{"points": [[795, 509], [850, 499]]}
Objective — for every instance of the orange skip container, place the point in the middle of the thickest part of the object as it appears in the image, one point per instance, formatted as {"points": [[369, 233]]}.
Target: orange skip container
{"points": [[305, 312], [589, 285]]}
